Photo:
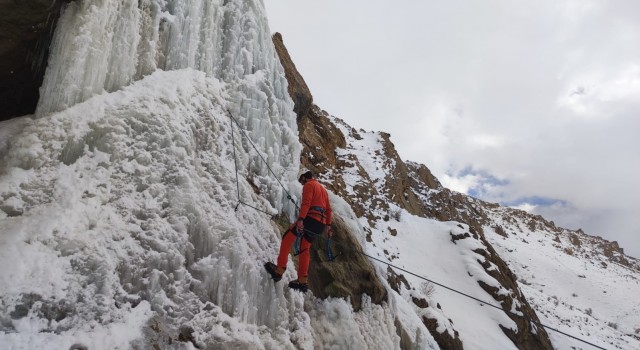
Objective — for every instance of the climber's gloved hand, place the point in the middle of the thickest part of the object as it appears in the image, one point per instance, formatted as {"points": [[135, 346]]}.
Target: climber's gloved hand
{"points": [[299, 226]]}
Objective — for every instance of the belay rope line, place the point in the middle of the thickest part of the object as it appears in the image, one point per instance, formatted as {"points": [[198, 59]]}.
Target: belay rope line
{"points": [[464, 294], [233, 120], [349, 249], [235, 162]]}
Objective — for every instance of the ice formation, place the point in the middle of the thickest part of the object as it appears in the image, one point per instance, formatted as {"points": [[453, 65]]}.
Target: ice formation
{"points": [[118, 220]]}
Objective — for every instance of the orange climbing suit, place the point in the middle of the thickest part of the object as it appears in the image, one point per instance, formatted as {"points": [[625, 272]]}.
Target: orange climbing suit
{"points": [[315, 211]]}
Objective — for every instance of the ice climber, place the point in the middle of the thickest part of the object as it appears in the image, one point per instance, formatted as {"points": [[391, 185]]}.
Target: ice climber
{"points": [[314, 219]]}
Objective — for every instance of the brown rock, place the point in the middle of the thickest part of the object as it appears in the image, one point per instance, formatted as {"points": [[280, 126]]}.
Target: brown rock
{"points": [[298, 89], [420, 302], [444, 339], [395, 280], [350, 275]]}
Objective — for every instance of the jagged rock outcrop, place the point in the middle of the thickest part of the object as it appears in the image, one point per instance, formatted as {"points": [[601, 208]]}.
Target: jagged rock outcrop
{"points": [[329, 151], [398, 183], [528, 335], [26, 28], [298, 89], [352, 275]]}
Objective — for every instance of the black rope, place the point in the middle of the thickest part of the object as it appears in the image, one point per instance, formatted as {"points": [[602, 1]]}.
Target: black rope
{"points": [[289, 197], [371, 257], [252, 207], [235, 162]]}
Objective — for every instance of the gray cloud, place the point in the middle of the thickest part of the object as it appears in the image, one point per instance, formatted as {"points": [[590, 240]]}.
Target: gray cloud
{"points": [[544, 95]]}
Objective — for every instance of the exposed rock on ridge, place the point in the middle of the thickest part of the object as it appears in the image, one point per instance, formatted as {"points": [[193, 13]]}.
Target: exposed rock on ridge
{"points": [[298, 89], [353, 275], [330, 150]]}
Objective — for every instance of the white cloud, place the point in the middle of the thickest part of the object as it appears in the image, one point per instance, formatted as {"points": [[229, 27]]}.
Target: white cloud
{"points": [[460, 184], [601, 95], [529, 208]]}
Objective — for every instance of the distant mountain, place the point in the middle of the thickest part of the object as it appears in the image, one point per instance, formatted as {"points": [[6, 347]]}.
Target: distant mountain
{"points": [[535, 268], [158, 172]]}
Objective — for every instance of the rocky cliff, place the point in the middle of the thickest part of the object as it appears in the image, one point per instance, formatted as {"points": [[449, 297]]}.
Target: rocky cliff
{"points": [[387, 184], [352, 275]]}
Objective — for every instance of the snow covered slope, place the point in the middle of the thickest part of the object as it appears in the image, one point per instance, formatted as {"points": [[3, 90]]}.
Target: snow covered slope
{"points": [[570, 282], [578, 284]]}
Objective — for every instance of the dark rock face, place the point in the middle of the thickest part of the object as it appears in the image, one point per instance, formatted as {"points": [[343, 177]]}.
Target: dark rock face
{"points": [[528, 335], [298, 89], [26, 28], [444, 339]]}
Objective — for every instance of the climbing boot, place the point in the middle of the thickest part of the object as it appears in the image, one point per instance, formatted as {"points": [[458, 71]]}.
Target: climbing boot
{"points": [[273, 270], [298, 285]]}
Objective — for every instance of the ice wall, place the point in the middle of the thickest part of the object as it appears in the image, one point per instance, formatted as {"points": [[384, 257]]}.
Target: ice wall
{"points": [[121, 194], [103, 45], [121, 208]]}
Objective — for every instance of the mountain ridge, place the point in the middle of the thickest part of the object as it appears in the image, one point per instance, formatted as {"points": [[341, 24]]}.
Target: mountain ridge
{"points": [[331, 150]]}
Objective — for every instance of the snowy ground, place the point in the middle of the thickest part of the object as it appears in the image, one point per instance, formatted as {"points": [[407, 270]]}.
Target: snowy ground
{"points": [[581, 295], [590, 298], [424, 246]]}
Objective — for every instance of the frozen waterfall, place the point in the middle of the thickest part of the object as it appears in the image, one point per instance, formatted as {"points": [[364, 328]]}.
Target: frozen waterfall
{"points": [[122, 191], [102, 45]]}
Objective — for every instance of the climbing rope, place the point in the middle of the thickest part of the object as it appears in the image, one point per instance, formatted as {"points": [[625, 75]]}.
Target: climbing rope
{"points": [[289, 197], [349, 249], [235, 162]]}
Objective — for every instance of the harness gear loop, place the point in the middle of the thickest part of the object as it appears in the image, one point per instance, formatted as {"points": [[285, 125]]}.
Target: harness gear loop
{"points": [[296, 246]]}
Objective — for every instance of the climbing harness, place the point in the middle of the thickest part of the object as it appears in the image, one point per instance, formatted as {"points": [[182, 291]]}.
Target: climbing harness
{"points": [[331, 257], [315, 210]]}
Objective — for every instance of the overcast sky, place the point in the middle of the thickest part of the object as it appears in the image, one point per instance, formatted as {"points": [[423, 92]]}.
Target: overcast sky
{"points": [[534, 104]]}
